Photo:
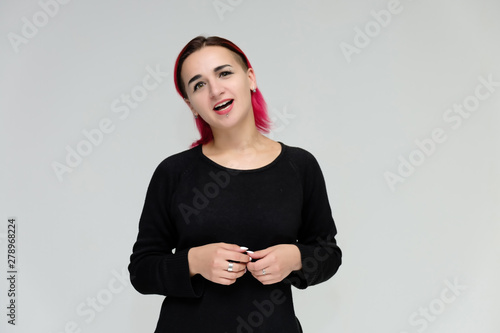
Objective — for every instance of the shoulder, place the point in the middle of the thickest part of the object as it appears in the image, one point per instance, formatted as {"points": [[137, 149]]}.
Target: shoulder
{"points": [[298, 155], [179, 163], [303, 162]]}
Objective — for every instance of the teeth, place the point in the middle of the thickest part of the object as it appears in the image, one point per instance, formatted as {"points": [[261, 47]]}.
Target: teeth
{"points": [[223, 106]]}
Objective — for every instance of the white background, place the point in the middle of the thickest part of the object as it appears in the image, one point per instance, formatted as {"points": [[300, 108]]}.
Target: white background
{"points": [[360, 114]]}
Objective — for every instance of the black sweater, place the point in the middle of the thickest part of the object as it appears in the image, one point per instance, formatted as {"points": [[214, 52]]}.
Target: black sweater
{"points": [[193, 201]]}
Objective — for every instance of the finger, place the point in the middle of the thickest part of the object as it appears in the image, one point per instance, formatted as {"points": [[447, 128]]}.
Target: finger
{"points": [[232, 276], [234, 267], [234, 247], [259, 274], [258, 265], [234, 252], [238, 257], [239, 274], [266, 279], [225, 281], [259, 254], [264, 273], [222, 254]]}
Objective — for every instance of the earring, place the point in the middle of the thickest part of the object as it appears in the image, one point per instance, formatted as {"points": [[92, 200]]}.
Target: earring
{"points": [[195, 116], [254, 90]]}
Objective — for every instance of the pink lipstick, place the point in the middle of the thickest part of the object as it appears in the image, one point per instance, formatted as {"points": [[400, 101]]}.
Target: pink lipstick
{"points": [[224, 107]]}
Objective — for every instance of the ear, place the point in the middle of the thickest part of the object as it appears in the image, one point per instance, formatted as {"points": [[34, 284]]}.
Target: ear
{"points": [[190, 107], [251, 79]]}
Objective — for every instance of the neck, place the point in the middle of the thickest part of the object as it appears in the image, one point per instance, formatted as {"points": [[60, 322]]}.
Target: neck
{"points": [[242, 136], [238, 139]]}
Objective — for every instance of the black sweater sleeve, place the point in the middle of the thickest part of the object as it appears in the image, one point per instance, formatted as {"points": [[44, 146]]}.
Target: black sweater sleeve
{"points": [[321, 257], [154, 268]]}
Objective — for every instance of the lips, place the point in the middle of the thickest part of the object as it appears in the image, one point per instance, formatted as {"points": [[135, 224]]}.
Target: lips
{"points": [[224, 106]]}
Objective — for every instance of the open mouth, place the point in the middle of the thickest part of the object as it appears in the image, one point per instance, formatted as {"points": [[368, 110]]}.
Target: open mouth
{"points": [[224, 105]]}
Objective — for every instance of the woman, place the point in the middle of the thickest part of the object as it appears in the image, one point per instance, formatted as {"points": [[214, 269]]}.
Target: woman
{"points": [[234, 191]]}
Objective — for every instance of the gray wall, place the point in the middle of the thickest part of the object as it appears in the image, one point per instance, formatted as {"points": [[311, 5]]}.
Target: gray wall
{"points": [[398, 100]]}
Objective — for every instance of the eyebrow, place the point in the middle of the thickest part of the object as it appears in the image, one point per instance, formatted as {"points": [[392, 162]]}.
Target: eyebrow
{"points": [[216, 69]]}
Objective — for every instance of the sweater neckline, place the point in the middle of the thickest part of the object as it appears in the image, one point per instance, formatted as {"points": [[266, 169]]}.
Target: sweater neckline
{"points": [[267, 166]]}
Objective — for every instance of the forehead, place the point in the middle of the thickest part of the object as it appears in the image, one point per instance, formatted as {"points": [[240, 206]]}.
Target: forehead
{"points": [[206, 59]]}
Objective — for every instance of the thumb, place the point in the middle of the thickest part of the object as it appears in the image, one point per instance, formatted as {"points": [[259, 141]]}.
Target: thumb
{"points": [[258, 254]]}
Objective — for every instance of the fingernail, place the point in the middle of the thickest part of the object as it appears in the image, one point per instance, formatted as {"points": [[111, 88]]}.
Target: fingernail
{"points": [[250, 252], [243, 248]]}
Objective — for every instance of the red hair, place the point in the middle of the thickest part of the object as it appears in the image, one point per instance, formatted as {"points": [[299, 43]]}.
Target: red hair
{"points": [[262, 121]]}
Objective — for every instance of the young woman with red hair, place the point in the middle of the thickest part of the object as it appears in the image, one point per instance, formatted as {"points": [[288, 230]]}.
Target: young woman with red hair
{"points": [[234, 191]]}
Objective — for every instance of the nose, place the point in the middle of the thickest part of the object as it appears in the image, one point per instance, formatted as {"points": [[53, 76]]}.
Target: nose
{"points": [[216, 89]]}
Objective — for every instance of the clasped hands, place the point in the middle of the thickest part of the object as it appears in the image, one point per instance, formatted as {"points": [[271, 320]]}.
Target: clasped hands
{"points": [[274, 264]]}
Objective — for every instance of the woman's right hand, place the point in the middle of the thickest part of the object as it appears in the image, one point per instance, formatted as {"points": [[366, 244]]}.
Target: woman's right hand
{"points": [[212, 262]]}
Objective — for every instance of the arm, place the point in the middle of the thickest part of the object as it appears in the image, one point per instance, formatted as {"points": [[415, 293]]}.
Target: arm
{"points": [[153, 268], [320, 255]]}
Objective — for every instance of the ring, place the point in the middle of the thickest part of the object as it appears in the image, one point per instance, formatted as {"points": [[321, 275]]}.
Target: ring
{"points": [[263, 272], [230, 267]]}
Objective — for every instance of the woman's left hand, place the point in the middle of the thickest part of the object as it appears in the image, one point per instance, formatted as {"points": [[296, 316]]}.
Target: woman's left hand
{"points": [[275, 263]]}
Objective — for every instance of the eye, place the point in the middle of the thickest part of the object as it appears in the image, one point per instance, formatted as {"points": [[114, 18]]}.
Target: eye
{"points": [[198, 85], [225, 73]]}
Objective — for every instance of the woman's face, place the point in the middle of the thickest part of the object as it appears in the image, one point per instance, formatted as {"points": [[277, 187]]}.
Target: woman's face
{"points": [[218, 87]]}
